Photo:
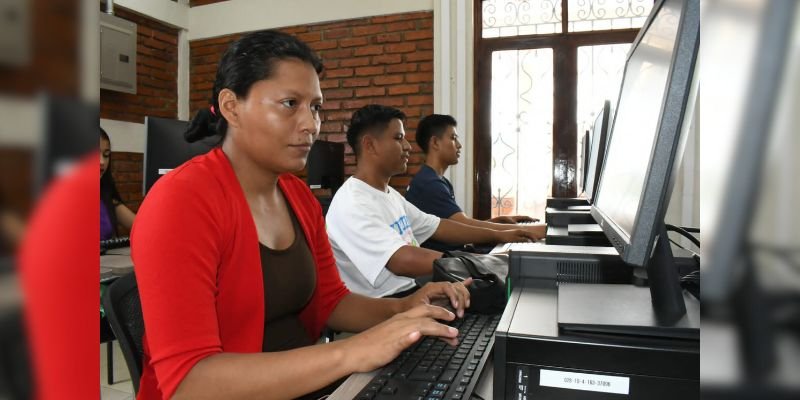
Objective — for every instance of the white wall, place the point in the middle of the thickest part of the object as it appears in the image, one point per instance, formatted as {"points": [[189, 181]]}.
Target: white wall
{"points": [[249, 15]]}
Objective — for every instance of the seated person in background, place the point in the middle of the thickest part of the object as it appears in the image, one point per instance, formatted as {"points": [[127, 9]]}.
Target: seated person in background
{"points": [[112, 210], [432, 193], [234, 268], [375, 233]]}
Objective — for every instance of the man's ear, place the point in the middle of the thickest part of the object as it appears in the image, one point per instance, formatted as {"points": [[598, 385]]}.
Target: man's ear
{"points": [[229, 107], [368, 144], [433, 143]]}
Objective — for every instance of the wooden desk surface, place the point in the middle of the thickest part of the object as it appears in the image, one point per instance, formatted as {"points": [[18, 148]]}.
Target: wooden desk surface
{"points": [[118, 261]]}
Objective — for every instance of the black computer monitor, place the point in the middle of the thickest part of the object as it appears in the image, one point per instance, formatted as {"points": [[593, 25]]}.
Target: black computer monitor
{"points": [[166, 148], [597, 152], [585, 146], [326, 165], [646, 145]]}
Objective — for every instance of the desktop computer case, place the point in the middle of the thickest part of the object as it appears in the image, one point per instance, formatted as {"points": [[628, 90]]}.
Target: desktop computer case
{"points": [[534, 359]]}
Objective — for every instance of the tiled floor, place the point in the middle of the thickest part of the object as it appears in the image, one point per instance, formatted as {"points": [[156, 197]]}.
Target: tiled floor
{"points": [[122, 389]]}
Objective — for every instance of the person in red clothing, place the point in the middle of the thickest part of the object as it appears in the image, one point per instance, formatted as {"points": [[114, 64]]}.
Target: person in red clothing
{"points": [[235, 271]]}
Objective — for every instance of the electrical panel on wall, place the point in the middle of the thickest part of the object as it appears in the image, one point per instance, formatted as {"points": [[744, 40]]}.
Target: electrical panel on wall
{"points": [[117, 54], [15, 36]]}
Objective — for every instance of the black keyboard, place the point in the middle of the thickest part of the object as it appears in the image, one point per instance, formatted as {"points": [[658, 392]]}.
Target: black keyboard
{"points": [[432, 369], [114, 243]]}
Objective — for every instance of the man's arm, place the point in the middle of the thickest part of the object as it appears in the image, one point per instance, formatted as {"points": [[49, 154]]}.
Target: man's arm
{"points": [[450, 231], [412, 261], [538, 230]]}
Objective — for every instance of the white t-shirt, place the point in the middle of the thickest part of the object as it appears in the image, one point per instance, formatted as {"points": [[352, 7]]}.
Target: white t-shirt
{"points": [[366, 226]]}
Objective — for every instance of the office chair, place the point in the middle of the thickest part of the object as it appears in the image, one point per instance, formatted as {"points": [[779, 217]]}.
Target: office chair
{"points": [[124, 312]]}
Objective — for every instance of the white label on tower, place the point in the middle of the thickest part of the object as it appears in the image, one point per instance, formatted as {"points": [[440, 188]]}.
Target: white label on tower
{"points": [[579, 381], [164, 171]]}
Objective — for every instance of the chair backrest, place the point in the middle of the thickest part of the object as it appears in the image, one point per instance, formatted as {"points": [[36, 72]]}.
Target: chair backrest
{"points": [[124, 312]]}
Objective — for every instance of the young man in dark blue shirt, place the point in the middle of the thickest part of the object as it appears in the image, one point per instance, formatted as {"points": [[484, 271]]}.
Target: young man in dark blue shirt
{"points": [[432, 193]]}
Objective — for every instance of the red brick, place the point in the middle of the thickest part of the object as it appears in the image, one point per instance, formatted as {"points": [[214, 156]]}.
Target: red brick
{"points": [[387, 59], [405, 67], [367, 71], [338, 53], [425, 66], [419, 77], [367, 30], [355, 62], [338, 94], [339, 73], [337, 33], [388, 38], [400, 26], [354, 104], [393, 101], [370, 91], [425, 24], [355, 82], [418, 35], [425, 45], [323, 45], [400, 48], [330, 105], [310, 36], [420, 56], [368, 50], [387, 79], [418, 100], [328, 83], [403, 89]]}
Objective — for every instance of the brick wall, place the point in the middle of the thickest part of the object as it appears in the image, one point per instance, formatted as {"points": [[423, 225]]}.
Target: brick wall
{"points": [[378, 60], [156, 74], [127, 170], [156, 95]]}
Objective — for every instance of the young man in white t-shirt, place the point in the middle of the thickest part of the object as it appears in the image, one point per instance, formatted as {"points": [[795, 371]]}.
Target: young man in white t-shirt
{"points": [[374, 232]]}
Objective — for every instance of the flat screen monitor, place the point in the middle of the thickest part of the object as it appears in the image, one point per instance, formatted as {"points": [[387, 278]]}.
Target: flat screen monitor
{"points": [[166, 148], [326, 165], [597, 152], [585, 145], [636, 179], [647, 138]]}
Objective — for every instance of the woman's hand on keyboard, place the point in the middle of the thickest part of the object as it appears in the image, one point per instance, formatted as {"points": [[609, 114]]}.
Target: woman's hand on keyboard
{"points": [[435, 292], [382, 343]]}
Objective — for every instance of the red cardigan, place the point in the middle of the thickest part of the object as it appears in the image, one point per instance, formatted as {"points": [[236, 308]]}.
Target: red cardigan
{"points": [[198, 267]]}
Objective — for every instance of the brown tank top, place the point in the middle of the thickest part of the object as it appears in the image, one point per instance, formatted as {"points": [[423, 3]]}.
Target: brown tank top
{"points": [[290, 277]]}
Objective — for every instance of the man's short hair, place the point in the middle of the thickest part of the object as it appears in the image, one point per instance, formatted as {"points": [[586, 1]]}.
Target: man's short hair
{"points": [[433, 125], [369, 119]]}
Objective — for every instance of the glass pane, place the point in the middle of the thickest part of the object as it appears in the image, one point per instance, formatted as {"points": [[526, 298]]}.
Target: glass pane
{"points": [[600, 71], [600, 15], [522, 131], [521, 17]]}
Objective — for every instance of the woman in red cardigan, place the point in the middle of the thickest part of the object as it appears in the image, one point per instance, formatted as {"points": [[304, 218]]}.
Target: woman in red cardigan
{"points": [[235, 271]]}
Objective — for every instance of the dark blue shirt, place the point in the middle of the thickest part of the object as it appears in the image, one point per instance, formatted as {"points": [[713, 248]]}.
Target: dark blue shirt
{"points": [[433, 194]]}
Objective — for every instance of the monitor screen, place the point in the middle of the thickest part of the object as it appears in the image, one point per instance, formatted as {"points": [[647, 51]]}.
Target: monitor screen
{"points": [[598, 150], [637, 116], [326, 165], [166, 148]]}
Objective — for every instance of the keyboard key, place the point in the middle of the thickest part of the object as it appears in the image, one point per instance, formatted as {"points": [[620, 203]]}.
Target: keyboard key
{"points": [[441, 386], [424, 376], [456, 396], [436, 393], [462, 388], [389, 390], [448, 375]]}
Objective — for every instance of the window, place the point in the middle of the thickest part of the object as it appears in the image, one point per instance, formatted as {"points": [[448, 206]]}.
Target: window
{"points": [[542, 70]]}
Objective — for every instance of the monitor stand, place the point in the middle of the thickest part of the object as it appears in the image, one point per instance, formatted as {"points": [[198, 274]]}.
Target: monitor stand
{"points": [[662, 310]]}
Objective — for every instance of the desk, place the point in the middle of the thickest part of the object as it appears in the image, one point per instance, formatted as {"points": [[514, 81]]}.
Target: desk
{"points": [[350, 388]]}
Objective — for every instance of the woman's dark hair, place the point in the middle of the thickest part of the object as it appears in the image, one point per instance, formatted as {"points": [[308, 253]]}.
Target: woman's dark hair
{"points": [[109, 196], [367, 119], [249, 59], [430, 126]]}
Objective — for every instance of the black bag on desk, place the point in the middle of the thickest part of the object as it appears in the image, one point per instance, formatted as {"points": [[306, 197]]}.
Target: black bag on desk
{"points": [[488, 272]]}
